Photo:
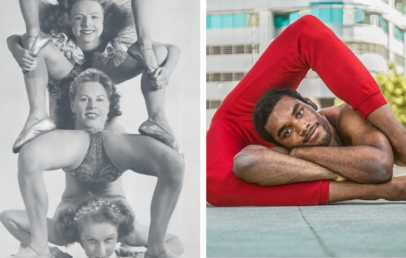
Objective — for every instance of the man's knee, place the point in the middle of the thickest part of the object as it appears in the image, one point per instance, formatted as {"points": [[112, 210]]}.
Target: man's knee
{"points": [[309, 25]]}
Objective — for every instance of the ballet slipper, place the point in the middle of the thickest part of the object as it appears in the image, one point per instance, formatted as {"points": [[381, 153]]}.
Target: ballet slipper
{"points": [[155, 131], [35, 254], [41, 40], [165, 254], [136, 52], [43, 126]]}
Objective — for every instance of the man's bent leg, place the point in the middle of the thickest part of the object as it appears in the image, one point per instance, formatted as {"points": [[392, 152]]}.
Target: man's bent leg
{"points": [[394, 190], [306, 44], [225, 189]]}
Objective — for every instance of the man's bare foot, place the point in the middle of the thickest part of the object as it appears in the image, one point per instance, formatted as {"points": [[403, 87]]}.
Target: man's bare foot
{"points": [[394, 190], [30, 252], [165, 254], [400, 157]]}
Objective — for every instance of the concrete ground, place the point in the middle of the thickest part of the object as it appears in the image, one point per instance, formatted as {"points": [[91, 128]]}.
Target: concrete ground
{"points": [[345, 229]]}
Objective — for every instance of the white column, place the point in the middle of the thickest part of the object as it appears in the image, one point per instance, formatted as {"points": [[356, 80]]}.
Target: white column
{"points": [[391, 38]]}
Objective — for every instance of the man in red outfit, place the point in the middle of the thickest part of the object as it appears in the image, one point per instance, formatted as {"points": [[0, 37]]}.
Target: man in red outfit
{"points": [[305, 44], [335, 143]]}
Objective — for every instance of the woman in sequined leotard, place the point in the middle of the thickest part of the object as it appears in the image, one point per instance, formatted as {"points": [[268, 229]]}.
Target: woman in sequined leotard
{"points": [[90, 220], [94, 102], [91, 40]]}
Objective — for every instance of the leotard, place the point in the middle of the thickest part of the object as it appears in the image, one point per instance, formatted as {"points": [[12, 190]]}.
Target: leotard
{"points": [[96, 166]]}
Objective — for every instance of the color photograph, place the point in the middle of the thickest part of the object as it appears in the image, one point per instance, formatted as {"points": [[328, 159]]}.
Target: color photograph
{"points": [[305, 120]]}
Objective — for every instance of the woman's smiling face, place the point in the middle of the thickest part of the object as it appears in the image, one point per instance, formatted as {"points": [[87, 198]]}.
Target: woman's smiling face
{"points": [[91, 106], [86, 19]]}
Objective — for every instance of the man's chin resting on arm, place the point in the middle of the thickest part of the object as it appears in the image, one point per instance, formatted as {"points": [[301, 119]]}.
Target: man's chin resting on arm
{"points": [[334, 144]]}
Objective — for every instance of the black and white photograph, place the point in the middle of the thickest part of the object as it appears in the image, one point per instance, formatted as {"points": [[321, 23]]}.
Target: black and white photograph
{"points": [[100, 128]]}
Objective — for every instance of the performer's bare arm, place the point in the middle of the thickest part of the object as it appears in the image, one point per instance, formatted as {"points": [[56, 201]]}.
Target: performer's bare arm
{"points": [[366, 157], [268, 167]]}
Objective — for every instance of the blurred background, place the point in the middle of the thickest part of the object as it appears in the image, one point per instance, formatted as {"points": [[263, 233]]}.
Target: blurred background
{"points": [[175, 23], [238, 31]]}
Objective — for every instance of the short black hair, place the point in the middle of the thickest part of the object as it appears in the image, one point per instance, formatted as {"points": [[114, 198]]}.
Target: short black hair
{"points": [[264, 107]]}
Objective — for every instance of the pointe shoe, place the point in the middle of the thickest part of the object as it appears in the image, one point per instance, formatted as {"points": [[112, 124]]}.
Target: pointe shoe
{"points": [[157, 132], [29, 134], [37, 255], [40, 42], [136, 52], [155, 256]]}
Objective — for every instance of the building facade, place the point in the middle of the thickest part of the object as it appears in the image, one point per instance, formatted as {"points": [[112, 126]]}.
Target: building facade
{"points": [[238, 31]]}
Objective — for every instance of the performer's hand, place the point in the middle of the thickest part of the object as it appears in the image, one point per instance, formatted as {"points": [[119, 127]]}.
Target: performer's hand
{"points": [[280, 150], [126, 251], [25, 59], [160, 77], [56, 253]]}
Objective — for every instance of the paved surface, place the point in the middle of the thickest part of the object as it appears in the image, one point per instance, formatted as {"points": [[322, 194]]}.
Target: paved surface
{"points": [[346, 229]]}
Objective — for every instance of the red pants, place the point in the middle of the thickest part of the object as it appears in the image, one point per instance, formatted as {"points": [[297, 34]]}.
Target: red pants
{"points": [[305, 44]]}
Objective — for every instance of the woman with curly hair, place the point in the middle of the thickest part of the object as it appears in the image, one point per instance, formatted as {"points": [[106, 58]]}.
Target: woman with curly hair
{"points": [[90, 33], [96, 223], [94, 160]]}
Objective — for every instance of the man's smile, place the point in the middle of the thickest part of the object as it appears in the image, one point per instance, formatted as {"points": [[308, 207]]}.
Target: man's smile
{"points": [[312, 133]]}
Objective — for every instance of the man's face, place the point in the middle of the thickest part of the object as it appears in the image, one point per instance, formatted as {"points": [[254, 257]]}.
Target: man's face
{"points": [[296, 124]]}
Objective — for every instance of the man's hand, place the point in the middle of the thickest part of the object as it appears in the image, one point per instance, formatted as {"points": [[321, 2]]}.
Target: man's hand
{"points": [[56, 253], [296, 152]]}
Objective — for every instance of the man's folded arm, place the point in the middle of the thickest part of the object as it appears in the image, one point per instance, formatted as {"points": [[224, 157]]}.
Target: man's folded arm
{"points": [[269, 167], [369, 159]]}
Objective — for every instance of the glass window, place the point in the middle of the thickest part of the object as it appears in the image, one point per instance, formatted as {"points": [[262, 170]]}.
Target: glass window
{"points": [[281, 20], [326, 15], [231, 20], [370, 18], [400, 5], [384, 24], [399, 34]]}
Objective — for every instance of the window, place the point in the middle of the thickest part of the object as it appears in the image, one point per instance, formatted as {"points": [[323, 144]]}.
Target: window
{"points": [[401, 5], [231, 20], [213, 104], [400, 60], [399, 34], [326, 102], [384, 24], [326, 15], [363, 47], [232, 49], [224, 77], [358, 16]]}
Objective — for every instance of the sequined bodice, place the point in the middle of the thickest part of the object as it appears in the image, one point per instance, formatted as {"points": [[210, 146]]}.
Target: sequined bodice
{"points": [[57, 87], [96, 166]]}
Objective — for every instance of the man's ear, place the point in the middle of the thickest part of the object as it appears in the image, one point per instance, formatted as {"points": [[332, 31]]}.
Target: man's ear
{"points": [[311, 103]]}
